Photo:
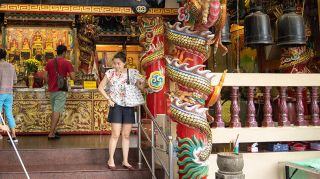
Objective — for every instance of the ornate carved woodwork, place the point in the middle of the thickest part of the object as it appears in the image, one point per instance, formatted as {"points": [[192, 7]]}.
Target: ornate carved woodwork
{"points": [[82, 9], [121, 3], [85, 112]]}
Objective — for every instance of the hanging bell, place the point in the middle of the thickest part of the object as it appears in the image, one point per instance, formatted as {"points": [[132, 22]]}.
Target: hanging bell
{"points": [[290, 29], [257, 29], [225, 32]]}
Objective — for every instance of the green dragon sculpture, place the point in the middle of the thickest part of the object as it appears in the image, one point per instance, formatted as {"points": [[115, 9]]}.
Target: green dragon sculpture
{"points": [[195, 117]]}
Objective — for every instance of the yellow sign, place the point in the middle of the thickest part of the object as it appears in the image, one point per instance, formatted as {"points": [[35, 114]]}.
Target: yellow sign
{"points": [[90, 85], [71, 82]]}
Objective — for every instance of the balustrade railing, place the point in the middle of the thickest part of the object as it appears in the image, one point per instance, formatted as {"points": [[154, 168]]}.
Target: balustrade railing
{"points": [[303, 86]]}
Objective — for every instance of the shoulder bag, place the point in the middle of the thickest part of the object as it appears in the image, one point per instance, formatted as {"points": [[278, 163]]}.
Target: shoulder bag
{"points": [[107, 87], [133, 96], [61, 80]]}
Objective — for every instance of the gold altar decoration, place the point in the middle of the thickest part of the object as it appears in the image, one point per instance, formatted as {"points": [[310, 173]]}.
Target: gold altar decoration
{"points": [[85, 112], [36, 42]]}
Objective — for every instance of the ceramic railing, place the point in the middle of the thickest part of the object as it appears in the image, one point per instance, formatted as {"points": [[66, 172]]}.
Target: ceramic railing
{"points": [[302, 87]]}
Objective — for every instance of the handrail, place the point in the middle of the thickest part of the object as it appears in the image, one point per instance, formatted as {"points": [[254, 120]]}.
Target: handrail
{"points": [[167, 139], [156, 124]]}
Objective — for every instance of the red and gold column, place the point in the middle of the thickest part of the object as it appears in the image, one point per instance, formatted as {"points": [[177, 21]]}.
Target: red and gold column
{"points": [[193, 91], [153, 62]]}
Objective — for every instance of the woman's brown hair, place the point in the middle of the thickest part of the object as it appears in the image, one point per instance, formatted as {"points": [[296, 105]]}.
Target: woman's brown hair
{"points": [[121, 55]]}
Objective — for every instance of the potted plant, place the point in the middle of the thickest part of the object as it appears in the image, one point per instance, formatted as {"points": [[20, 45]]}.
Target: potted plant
{"points": [[31, 67]]}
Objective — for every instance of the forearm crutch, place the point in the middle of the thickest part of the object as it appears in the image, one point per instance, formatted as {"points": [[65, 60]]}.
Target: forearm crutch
{"points": [[15, 149]]}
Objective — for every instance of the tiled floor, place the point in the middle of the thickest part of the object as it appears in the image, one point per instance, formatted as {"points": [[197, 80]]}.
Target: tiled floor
{"points": [[66, 141]]}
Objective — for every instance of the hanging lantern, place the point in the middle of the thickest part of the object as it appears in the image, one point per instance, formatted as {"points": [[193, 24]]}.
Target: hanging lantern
{"points": [[290, 29], [257, 29], [225, 32]]}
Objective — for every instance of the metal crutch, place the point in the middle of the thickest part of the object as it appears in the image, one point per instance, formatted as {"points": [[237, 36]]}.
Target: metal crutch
{"points": [[15, 149]]}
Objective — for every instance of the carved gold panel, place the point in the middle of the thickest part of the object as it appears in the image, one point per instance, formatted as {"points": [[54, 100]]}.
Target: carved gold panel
{"points": [[77, 117], [84, 112], [32, 115], [98, 96], [79, 95], [100, 116], [30, 95]]}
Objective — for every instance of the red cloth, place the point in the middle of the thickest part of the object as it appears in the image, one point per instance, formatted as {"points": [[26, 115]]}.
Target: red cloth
{"points": [[38, 79], [64, 67]]}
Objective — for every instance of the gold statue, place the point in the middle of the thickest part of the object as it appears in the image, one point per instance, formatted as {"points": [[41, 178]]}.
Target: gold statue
{"points": [[49, 45], [13, 45], [37, 46], [25, 44], [37, 38]]}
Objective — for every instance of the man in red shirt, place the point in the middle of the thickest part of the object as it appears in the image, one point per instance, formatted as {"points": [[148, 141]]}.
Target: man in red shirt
{"points": [[57, 98]]}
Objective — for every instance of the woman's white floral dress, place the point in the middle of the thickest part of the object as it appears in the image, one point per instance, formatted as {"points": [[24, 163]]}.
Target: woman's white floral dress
{"points": [[117, 83]]}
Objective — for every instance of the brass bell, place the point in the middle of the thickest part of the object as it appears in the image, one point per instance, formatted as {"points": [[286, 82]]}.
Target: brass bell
{"points": [[225, 32], [290, 29], [257, 29]]}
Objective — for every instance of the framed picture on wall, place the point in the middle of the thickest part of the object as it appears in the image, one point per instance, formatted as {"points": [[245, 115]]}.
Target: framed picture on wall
{"points": [[106, 53], [104, 65]]}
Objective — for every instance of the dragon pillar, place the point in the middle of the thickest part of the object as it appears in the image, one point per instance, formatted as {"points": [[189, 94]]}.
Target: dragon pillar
{"points": [[153, 62], [87, 35], [192, 91]]}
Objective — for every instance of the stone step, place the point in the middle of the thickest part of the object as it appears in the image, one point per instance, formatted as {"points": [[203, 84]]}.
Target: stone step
{"points": [[37, 150], [80, 171], [70, 157], [67, 156]]}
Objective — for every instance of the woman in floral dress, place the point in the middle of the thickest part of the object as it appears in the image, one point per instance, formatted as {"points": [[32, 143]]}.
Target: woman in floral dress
{"points": [[120, 116]]}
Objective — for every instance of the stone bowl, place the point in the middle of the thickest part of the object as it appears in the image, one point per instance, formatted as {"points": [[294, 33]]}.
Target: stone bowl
{"points": [[230, 163]]}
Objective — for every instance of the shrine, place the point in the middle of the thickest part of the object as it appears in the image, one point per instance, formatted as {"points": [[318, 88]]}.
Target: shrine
{"points": [[231, 87]]}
